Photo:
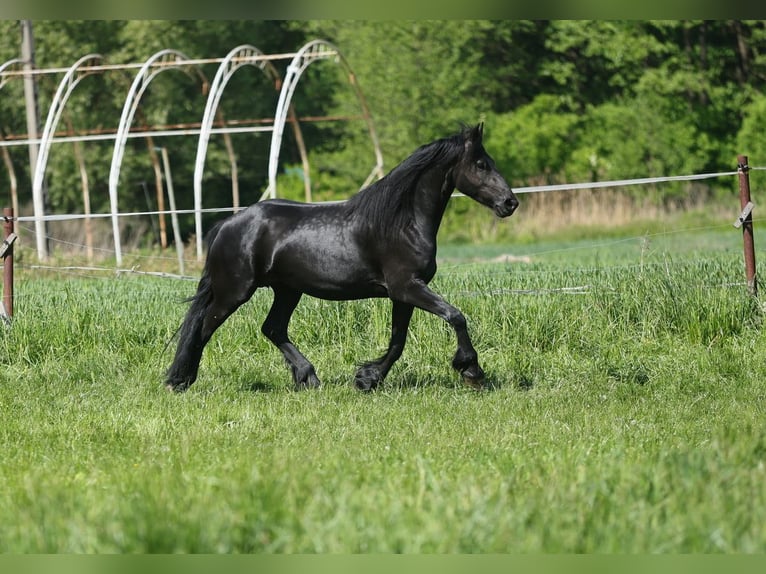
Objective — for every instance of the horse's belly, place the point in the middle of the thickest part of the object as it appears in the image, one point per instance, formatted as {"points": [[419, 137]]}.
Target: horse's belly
{"points": [[335, 288], [336, 293], [327, 276]]}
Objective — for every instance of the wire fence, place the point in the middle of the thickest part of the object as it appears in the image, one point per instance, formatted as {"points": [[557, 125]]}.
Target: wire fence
{"points": [[517, 190], [94, 271]]}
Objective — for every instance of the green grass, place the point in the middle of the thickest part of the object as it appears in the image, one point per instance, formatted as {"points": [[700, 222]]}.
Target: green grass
{"points": [[628, 417]]}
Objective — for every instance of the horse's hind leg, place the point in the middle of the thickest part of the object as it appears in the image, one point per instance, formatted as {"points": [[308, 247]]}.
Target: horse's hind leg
{"points": [[210, 308], [275, 329], [371, 374]]}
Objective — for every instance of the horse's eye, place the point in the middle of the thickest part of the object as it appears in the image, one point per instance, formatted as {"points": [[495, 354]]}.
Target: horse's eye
{"points": [[481, 164]]}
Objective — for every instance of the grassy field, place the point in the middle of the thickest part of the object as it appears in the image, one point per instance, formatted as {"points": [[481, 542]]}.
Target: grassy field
{"points": [[625, 413]]}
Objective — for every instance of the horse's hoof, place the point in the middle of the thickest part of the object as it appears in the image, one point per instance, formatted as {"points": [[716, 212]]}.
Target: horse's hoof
{"points": [[171, 388], [367, 378], [305, 387], [311, 382], [476, 384], [473, 377], [366, 386]]}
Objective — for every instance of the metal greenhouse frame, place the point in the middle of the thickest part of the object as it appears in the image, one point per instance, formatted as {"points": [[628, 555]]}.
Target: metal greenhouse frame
{"points": [[240, 56]]}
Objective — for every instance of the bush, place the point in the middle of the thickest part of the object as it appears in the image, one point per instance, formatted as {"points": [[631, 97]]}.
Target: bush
{"points": [[534, 142], [750, 139]]}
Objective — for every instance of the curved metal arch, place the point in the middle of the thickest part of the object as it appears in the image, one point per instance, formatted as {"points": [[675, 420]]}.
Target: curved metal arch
{"points": [[65, 88], [308, 54], [5, 66], [161, 61], [240, 56], [9, 65]]}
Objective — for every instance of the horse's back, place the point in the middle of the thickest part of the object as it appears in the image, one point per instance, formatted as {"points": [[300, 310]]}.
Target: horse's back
{"points": [[312, 248]]}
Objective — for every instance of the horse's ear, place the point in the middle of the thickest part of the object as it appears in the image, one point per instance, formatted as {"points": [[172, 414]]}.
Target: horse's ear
{"points": [[473, 135]]}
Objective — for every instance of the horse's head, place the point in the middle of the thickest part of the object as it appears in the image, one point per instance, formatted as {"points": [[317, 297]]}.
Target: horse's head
{"points": [[477, 177]]}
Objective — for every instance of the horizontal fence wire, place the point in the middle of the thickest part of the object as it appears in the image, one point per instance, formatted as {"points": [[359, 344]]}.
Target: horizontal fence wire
{"points": [[621, 182], [523, 189], [109, 270], [522, 257], [448, 270], [446, 267], [76, 216]]}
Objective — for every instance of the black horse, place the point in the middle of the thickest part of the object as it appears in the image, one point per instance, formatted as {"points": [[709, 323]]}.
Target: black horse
{"points": [[379, 243]]}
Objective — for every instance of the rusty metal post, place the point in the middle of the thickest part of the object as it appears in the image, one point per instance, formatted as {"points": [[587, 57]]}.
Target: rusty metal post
{"points": [[8, 262], [747, 223]]}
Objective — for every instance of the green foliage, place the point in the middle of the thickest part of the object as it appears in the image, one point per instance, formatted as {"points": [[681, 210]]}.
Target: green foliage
{"points": [[534, 142], [751, 140], [419, 77], [595, 61], [640, 137]]}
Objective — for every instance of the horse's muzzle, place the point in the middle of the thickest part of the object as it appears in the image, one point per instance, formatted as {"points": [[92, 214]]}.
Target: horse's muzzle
{"points": [[507, 206]]}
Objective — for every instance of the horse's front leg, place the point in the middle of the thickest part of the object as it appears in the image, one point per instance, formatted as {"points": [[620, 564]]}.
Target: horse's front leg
{"points": [[466, 362], [371, 374], [275, 329]]}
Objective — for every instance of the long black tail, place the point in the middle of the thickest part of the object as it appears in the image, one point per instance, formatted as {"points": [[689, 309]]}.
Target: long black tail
{"points": [[183, 371]]}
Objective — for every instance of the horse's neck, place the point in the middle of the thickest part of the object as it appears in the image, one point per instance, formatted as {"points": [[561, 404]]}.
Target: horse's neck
{"points": [[433, 191]]}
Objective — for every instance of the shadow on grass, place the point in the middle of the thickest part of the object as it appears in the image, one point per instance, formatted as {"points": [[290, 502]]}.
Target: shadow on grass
{"points": [[526, 383], [492, 383], [257, 387]]}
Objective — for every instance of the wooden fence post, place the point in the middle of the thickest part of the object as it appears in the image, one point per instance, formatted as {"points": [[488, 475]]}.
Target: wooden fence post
{"points": [[6, 251], [746, 222]]}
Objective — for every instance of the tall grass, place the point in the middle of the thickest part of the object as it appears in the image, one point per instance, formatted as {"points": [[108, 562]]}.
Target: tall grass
{"points": [[626, 416]]}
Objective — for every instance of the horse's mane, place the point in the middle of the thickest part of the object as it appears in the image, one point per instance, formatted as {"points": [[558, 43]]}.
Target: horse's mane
{"points": [[388, 202]]}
